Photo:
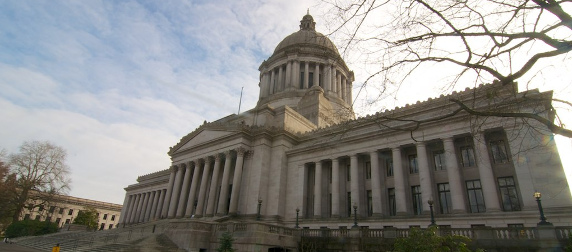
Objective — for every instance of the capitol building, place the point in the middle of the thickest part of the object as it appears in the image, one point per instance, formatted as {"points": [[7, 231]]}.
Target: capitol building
{"points": [[301, 158]]}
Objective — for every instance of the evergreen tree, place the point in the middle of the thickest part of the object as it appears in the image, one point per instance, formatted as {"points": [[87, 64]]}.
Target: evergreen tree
{"points": [[225, 243]]}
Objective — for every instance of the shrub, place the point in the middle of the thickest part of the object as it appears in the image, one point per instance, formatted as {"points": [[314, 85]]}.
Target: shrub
{"points": [[30, 227]]}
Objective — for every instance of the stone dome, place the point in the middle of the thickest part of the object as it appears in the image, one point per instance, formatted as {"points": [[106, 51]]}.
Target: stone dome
{"points": [[306, 37]]}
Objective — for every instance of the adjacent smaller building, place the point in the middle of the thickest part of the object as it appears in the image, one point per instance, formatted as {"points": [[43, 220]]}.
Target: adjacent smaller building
{"points": [[64, 209]]}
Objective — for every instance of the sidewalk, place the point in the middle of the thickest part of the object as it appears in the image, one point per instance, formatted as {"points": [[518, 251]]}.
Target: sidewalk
{"points": [[6, 247]]}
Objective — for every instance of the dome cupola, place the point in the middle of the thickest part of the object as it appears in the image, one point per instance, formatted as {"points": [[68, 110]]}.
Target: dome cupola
{"points": [[307, 74]]}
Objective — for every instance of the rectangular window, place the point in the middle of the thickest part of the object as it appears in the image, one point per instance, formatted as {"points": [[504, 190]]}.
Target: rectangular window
{"points": [[49, 219], [41, 208], [467, 156], [61, 211], [58, 220], [509, 196], [417, 201], [110, 226], [367, 170], [38, 217], [369, 203], [444, 198], [27, 217], [67, 221], [413, 168], [475, 193], [439, 158], [52, 209], [389, 167], [112, 217], [348, 173], [349, 204], [105, 216], [70, 212], [391, 197], [498, 150]]}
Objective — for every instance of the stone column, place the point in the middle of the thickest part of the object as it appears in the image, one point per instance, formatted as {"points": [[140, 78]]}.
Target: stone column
{"points": [[334, 84], [214, 186], [184, 191], [327, 79], [425, 180], [144, 207], [296, 74], [375, 183], [344, 89], [317, 74], [125, 208], [154, 205], [339, 84], [335, 187], [272, 82], [193, 192], [399, 181], [288, 81], [318, 190], [139, 207], [149, 206], [455, 183], [134, 208], [169, 193], [126, 217], [176, 192], [222, 200], [488, 183], [203, 189], [350, 97], [236, 180], [160, 204], [306, 74], [354, 183], [280, 82]]}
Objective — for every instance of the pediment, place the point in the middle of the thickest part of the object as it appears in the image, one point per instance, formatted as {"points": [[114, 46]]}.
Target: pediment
{"points": [[205, 136]]}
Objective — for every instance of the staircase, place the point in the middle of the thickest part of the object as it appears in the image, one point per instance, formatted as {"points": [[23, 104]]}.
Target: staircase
{"points": [[146, 237]]}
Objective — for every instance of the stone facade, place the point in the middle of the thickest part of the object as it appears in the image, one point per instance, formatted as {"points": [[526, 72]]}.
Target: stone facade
{"points": [[302, 154], [64, 209]]}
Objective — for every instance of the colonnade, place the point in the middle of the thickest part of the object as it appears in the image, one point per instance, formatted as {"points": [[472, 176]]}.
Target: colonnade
{"points": [[192, 191], [295, 74], [401, 180], [143, 207]]}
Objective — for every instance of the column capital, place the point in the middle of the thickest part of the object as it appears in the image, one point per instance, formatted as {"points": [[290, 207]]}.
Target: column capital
{"points": [[217, 157], [240, 151], [448, 139], [208, 160], [420, 143]]}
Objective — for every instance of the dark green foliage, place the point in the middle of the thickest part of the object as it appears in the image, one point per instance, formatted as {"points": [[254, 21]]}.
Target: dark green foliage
{"points": [[87, 217], [225, 243], [429, 241], [30, 227]]}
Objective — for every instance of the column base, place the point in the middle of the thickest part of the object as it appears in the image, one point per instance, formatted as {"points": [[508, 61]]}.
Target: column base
{"points": [[198, 216], [377, 215]]}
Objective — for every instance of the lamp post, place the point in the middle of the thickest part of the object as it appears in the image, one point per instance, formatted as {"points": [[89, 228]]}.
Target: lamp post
{"points": [[430, 202], [355, 216], [297, 211], [543, 221], [259, 205]]}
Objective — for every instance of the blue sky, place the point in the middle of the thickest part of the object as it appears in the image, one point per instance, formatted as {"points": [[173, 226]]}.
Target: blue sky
{"points": [[116, 83]]}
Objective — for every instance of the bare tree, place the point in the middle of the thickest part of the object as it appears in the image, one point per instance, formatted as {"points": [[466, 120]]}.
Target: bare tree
{"points": [[482, 41], [40, 172]]}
